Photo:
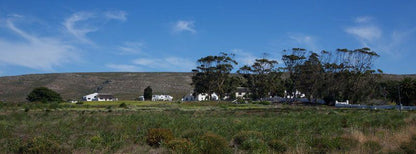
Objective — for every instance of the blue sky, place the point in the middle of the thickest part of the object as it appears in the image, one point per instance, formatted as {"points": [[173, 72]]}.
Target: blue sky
{"points": [[169, 36]]}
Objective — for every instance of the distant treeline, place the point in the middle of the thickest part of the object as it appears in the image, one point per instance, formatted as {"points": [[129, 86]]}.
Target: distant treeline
{"points": [[340, 75]]}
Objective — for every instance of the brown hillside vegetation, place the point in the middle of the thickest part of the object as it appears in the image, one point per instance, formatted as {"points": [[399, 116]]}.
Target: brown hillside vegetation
{"points": [[125, 86]]}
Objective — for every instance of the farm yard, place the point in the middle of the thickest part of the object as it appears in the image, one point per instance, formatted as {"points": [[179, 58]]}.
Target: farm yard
{"points": [[202, 127]]}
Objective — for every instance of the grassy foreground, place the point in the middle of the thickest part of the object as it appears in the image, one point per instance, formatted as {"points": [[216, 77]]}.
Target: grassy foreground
{"points": [[203, 127]]}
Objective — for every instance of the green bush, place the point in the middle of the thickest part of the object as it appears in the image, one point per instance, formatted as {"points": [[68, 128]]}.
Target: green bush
{"points": [[344, 143], [43, 94], [123, 105], [180, 146], [156, 136], [254, 145], [323, 145], [372, 146], [192, 134], [40, 145], [277, 146], [211, 143], [243, 136]]}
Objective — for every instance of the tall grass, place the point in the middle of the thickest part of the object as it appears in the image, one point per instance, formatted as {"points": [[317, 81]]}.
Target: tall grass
{"points": [[293, 129]]}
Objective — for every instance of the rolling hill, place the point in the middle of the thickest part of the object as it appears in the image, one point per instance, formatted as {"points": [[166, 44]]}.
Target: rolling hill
{"points": [[125, 86]]}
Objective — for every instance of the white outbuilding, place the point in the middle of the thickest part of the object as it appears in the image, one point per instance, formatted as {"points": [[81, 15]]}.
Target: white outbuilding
{"points": [[99, 97], [162, 98]]}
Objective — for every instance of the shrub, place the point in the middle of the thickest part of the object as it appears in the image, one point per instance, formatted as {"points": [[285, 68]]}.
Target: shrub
{"points": [[372, 146], [409, 147], [254, 145], [156, 136], [123, 105], [96, 141], [323, 145], [277, 146], [43, 94], [192, 134], [180, 146], [344, 143], [213, 144], [320, 145], [40, 145], [243, 136]]}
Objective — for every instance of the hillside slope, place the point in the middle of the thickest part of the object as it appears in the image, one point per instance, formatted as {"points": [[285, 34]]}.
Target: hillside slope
{"points": [[125, 86]]}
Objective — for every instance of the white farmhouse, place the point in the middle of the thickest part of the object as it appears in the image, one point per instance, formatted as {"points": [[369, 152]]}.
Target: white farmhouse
{"points": [[241, 92], [162, 98], [296, 94], [200, 97], [99, 97]]}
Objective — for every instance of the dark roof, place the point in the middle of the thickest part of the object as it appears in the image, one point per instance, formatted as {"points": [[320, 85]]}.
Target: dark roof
{"points": [[103, 95]]}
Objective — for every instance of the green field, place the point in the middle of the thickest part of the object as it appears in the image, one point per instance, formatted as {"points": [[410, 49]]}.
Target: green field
{"points": [[202, 127]]}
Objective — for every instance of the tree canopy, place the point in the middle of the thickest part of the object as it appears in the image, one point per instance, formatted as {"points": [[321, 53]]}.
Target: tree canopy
{"points": [[43, 94], [147, 94], [213, 74]]}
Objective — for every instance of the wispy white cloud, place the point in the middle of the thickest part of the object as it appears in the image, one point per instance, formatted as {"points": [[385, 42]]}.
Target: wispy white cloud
{"points": [[73, 26], [369, 34], [182, 26], [363, 19], [166, 63], [365, 33], [131, 48], [244, 58], [304, 41], [42, 53], [80, 24], [116, 15], [123, 68]]}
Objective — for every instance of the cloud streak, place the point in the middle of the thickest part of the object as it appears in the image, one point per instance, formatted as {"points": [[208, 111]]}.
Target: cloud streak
{"points": [[116, 15], [80, 24], [129, 48], [307, 41], [365, 33], [166, 63], [369, 34], [123, 68], [183, 26], [72, 25], [42, 53]]}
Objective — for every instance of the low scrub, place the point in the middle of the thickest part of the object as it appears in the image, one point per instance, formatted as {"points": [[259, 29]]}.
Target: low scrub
{"points": [[372, 146], [211, 143], [180, 146], [157, 136], [277, 146], [39, 144]]}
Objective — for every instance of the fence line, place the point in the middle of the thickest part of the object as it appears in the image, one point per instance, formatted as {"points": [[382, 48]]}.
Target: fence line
{"points": [[375, 107]]}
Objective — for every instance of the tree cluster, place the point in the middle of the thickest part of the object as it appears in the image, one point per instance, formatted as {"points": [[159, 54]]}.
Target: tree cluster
{"points": [[401, 92], [342, 74], [44, 95]]}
